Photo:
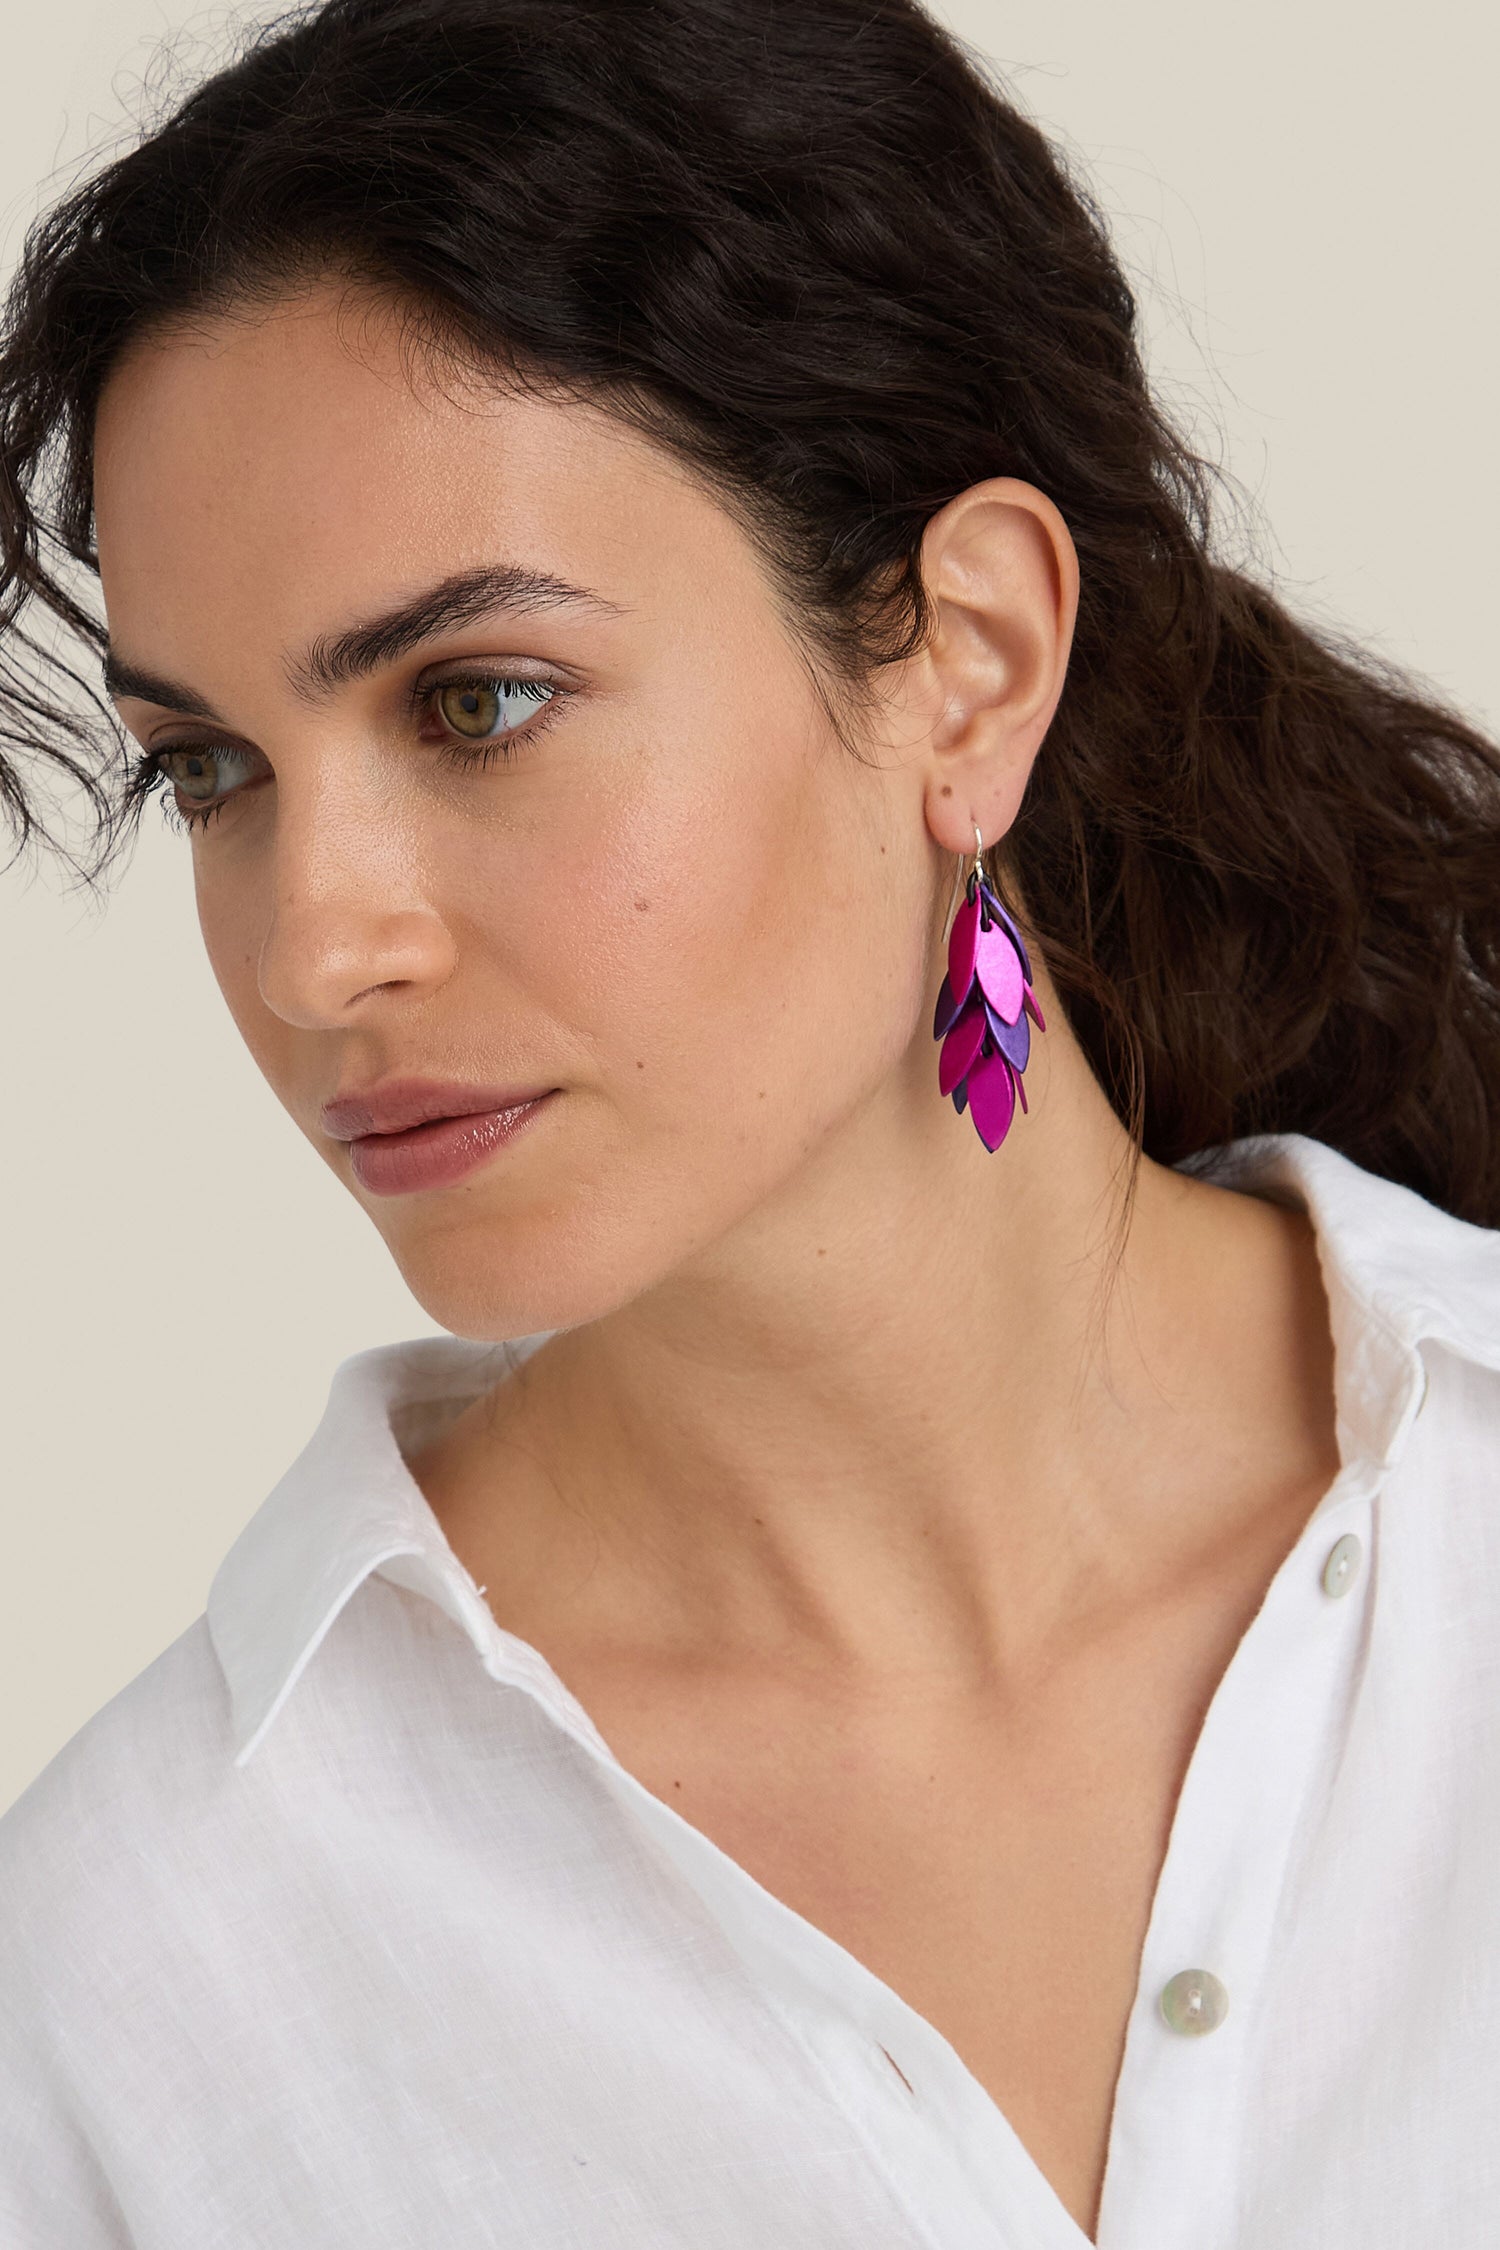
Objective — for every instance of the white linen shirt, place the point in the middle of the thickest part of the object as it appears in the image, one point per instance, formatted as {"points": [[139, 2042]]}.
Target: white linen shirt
{"points": [[341, 1928]]}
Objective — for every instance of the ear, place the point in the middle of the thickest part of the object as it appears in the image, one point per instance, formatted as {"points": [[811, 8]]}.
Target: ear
{"points": [[1000, 567]]}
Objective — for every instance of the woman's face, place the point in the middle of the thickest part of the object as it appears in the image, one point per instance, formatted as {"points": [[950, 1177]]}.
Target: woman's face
{"points": [[465, 831]]}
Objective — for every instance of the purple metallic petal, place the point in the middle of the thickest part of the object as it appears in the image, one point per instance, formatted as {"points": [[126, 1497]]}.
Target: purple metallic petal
{"points": [[961, 1095], [962, 1045], [1033, 1008], [947, 1012], [999, 968], [962, 941], [992, 1098], [1012, 1039]]}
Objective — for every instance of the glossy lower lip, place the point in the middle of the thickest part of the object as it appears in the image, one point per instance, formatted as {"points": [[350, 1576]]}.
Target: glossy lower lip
{"points": [[438, 1154]]}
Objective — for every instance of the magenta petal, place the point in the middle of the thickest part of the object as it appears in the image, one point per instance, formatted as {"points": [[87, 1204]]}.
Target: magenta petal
{"points": [[1033, 1008], [963, 939], [961, 1046], [992, 1098], [999, 967], [947, 1012]]}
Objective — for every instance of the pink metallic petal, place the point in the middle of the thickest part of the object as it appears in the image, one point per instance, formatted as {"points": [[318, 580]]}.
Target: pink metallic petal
{"points": [[1021, 1093], [992, 1098], [997, 913], [961, 1046], [947, 1012], [999, 967], [1033, 1008], [962, 941]]}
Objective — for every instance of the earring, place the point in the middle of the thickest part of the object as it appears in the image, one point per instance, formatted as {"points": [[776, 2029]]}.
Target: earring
{"points": [[982, 1010]]}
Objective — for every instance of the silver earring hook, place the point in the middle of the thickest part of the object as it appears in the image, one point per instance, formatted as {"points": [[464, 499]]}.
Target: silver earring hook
{"points": [[960, 881]]}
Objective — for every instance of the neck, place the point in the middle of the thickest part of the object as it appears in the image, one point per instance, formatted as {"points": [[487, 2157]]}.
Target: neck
{"points": [[926, 1399]]}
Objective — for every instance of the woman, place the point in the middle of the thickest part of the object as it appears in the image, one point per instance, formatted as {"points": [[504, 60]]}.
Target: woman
{"points": [[917, 1670]]}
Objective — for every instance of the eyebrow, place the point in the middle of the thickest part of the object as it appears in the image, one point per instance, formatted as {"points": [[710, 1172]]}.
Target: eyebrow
{"points": [[364, 647]]}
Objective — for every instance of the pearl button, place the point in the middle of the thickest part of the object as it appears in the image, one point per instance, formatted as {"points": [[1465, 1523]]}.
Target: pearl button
{"points": [[1194, 2001], [1342, 1566]]}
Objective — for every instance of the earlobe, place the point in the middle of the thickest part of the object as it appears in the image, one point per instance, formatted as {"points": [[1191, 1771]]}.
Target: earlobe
{"points": [[1001, 571]]}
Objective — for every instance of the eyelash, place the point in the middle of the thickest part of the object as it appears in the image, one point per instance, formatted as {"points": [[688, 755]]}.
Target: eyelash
{"points": [[151, 778]]}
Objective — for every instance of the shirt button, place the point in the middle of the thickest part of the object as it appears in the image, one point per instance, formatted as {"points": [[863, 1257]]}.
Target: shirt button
{"points": [[1194, 2001], [1342, 1566]]}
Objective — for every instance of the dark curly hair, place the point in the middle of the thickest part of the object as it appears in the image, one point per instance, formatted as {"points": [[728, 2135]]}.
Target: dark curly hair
{"points": [[810, 247]]}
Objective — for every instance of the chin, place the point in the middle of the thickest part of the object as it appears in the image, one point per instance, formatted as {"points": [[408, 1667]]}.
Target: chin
{"points": [[509, 1279]]}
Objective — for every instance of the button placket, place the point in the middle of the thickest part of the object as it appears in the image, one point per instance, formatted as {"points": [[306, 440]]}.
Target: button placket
{"points": [[949, 2155], [1175, 2138]]}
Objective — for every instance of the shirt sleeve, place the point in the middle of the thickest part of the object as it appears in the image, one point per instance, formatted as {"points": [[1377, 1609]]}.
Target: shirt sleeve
{"points": [[54, 2191], [55, 2061]]}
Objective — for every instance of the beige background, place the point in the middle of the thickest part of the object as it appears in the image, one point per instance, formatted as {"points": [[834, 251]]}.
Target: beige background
{"points": [[1305, 192]]}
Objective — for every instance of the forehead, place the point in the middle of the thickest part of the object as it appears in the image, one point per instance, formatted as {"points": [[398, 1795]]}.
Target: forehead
{"points": [[300, 457]]}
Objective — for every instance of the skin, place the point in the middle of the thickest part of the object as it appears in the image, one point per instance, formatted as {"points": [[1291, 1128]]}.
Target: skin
{"points": [[893, 1510]]}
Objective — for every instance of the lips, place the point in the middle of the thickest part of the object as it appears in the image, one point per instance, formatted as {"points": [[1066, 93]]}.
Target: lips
{"points": [[401, 1103], [414, 1133]]}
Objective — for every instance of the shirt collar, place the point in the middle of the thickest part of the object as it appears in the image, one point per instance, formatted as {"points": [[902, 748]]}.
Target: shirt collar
{"points": [[1398, 1272], [347, 1505]]}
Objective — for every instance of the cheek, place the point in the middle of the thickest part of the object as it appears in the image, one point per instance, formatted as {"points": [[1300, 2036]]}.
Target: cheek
{"points": [[723, 1003], [735, 980]]}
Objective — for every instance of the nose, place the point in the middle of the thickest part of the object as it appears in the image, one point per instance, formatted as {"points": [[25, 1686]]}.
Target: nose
{"points": [[348, 920]]}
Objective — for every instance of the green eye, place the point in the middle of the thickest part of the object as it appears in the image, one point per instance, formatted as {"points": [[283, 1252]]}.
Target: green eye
{"points": [[489, 710], [202, 774]]}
